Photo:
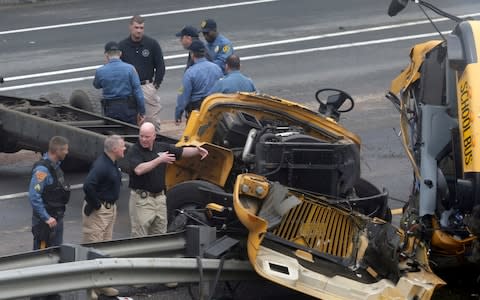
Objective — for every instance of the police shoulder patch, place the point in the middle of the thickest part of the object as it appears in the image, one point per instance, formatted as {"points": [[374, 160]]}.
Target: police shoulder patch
{"points": [[40, 175], [226, 48]]}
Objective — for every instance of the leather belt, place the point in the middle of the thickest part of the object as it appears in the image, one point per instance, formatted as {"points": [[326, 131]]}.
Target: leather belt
{"points": [[144, 194]]}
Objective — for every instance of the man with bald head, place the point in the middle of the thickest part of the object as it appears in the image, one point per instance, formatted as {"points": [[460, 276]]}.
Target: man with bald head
{"points": [[147, 161]]}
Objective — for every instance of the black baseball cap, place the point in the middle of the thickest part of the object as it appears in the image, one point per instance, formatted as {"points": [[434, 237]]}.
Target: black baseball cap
{"points": [[208, 25], [197, 46], [188, 30], [112, 46]]}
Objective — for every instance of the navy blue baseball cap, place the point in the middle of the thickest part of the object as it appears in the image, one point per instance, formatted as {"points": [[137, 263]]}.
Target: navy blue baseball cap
{"points": [[197, 46], [188, 30], [208, 25], [112, 46]]}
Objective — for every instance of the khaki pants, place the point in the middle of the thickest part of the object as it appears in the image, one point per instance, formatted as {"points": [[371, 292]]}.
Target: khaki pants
{"points": [[152, 105], [147, 215], [98, 226]]}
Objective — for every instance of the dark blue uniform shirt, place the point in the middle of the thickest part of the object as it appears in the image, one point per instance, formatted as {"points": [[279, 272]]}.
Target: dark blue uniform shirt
{"points": [[103, 182]]}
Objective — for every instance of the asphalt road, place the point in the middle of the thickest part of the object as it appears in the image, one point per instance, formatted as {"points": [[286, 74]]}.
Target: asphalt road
{"points": [[289, 48]]}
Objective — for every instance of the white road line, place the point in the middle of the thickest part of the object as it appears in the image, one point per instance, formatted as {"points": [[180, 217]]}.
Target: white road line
{"points": [[164, 13], [342, 46], [25, 194], [275, 54], [44, 83], [74, 70], [272, 43], [348, 32]]}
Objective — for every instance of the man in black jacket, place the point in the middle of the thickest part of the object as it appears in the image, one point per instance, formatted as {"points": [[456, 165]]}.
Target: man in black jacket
{"points": [[145, 54], [102, 190], [148, 160]]}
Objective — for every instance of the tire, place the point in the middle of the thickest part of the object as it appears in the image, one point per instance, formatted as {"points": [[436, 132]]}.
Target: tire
{"points": [[87, 100], [191, 195], [54, 98]]}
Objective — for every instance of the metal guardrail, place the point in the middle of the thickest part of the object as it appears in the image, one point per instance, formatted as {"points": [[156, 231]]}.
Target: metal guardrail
{"points": [[165, 245], [144, 260], [63, 277]]}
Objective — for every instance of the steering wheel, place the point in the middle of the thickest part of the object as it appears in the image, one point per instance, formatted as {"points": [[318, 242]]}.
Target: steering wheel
{"points": [[333, 100]]}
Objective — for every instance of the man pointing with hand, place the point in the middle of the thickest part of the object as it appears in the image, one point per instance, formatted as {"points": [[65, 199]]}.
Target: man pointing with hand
{"points": [[147, 161]]}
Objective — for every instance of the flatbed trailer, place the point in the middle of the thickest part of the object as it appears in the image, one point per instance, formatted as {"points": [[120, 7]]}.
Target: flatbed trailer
{"points": [[29, 124]]}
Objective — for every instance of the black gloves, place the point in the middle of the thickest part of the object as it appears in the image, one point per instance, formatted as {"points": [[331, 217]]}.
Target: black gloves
{"points": [[88, 209]]}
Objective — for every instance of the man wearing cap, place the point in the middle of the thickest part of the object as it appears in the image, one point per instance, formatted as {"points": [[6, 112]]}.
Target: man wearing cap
{"points": [[219, 47], [122, 95], [197, 81], [187, 35], [145, 54], [234, 81]]}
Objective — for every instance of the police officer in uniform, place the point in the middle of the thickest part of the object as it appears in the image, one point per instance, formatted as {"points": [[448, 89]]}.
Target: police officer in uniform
{"points": [[145, 54], [234, 81], [219, 47], [102, 190], [122, 95], [187, 35], [48, 194], [147, 161], [197, 81]]}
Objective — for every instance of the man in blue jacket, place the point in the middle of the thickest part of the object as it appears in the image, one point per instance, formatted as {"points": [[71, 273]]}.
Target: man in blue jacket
{"points": [[218, 46], [122, 94], [234, 81], [197, 81], [48, 194]]}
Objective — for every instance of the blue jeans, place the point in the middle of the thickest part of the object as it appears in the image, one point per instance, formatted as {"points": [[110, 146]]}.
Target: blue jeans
{"points": [[55, 238]]}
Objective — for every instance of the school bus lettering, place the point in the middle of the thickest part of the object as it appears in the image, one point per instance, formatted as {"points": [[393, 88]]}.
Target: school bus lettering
{"points": [[466, 123]]}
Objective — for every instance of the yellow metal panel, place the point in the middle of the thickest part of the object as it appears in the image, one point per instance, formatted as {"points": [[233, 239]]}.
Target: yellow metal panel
{"points": [[468, 96], [412, 72], [322, 228]]}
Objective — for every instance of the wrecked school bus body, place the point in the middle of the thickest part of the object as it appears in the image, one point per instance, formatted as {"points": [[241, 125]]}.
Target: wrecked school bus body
{"points": [[290, 178]]}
